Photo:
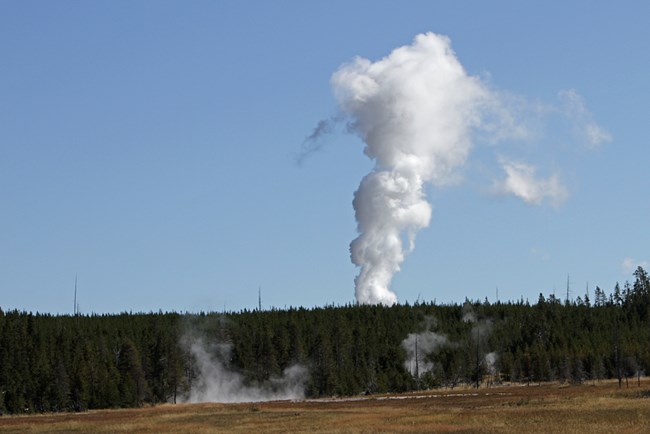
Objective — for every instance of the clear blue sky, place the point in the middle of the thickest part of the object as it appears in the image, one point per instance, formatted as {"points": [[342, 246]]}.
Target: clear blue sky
{"points": [[149, 148]]}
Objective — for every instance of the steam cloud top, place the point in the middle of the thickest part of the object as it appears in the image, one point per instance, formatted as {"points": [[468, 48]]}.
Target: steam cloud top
{"points": [[417, 111], [414, 110]]}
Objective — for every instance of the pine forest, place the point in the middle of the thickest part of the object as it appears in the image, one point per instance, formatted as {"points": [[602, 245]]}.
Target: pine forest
{"points": [[51, 363]]}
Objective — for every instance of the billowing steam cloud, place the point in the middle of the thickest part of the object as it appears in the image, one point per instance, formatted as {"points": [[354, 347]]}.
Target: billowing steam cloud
{"points": [[417, 111], [414, 110]]}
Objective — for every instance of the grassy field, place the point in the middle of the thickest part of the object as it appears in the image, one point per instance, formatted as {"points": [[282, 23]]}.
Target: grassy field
{"points": [[602, 408]]}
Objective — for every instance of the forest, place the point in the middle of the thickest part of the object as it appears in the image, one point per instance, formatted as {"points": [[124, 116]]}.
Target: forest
{"points": [[51, 363]]}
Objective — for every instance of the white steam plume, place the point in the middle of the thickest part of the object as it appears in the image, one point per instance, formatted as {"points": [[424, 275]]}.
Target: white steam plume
{"points": [[216, 383], [418, 111], [414, 110]]}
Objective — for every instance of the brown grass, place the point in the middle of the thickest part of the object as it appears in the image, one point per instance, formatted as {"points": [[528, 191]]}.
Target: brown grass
{"points": [[602, 408]]}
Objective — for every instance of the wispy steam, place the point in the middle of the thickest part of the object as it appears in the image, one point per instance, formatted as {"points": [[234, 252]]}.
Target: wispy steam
{"points": [[522, 181], [583, 123], [418, 346], [421, 347], [480, 327], [314, 142], [491, 360], [479, 337], [215, 382], [629, 265]]}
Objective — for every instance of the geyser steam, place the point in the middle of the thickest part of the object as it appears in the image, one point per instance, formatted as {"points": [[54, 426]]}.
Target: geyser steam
{"points": [[414, 110], [417, 111], [215, 382]]}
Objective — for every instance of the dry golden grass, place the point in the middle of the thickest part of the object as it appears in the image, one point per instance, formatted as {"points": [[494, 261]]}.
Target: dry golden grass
{"points": [[602, 408]]}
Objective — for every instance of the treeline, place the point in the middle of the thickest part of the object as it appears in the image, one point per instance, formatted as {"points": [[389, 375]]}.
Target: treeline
{"points": [[73, 363]]}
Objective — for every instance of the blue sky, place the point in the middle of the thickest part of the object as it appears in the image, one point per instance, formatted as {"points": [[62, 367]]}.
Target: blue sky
{"points": [[149, 148]]}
